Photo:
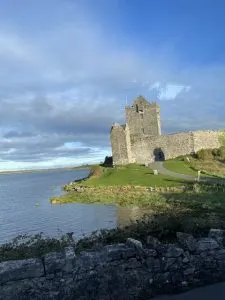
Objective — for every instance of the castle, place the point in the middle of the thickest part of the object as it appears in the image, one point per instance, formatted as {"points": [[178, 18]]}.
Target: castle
{"points": [[140, 139]]}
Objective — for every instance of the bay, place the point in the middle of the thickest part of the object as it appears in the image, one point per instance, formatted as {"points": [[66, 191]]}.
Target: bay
{"points": [[25, 207]]}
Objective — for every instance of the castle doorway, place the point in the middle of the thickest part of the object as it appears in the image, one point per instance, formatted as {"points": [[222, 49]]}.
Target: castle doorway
{"points": [[159, 154]]}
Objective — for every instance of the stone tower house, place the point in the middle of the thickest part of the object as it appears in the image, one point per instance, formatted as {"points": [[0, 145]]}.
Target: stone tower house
{"points": [[143, 118], [140, 139]]}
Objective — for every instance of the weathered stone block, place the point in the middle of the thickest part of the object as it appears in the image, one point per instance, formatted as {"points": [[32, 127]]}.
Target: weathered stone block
{"points": [[20, 269], [150, 252], [153, 264], [189, 271], [70, 259], [152, 242], [134, 243], [54, 262], [218, 235], [173, 251], [119, 251], [220, 254], [206, 244], [169, 262], [187, 241]]}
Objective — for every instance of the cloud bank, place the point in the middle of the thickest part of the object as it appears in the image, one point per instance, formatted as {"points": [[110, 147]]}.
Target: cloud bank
{"points": [[63, 87]]}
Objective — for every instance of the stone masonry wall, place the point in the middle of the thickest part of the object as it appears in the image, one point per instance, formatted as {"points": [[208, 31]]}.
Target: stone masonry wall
{"points": [[146, 121], [172, 145], [127, 271], [119, 145], [206, 139]]}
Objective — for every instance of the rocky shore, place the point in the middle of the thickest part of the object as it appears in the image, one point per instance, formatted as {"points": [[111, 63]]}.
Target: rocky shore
{"points": [[129, 270]]}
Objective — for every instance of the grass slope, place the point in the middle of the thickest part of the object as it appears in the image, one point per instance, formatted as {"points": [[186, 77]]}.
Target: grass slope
{"points": [[122, 185], [180, 166], [210, 167], [132, 174]]}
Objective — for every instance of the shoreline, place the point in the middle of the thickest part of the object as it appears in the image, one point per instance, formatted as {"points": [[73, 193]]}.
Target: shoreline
{"points": [[44, 170]]}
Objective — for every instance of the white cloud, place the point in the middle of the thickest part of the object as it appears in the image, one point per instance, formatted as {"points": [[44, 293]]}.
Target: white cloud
{"points": [[169, 91]]}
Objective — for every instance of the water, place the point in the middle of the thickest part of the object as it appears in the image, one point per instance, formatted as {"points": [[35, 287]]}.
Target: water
{"points": [[25, 207]]}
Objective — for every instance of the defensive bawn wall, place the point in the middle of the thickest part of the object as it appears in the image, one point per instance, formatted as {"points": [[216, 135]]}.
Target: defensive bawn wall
{"points": [[131, 270], [147, 149], [206, 139]]}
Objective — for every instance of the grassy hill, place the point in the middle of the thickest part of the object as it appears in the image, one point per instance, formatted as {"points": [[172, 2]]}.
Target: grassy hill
{"points": [[211, 162]]}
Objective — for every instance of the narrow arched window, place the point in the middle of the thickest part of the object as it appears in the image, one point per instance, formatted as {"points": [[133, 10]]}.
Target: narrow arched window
{"points": [[136, 108]]}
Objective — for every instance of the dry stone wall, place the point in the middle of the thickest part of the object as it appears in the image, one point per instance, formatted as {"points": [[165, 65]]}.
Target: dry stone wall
{"points": [[131, 270]]}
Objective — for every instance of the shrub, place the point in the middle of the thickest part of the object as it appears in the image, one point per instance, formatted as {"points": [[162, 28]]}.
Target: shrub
{"points": [[221, 152], [96, 171], [205, 154], [215, 152], [108, 162]]}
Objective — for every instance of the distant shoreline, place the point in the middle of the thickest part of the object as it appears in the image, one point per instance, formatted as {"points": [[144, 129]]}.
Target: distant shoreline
{"points": [[44, 170]]}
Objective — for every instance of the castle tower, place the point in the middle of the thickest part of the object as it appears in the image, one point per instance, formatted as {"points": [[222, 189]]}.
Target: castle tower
{"points": [[143, 118]]}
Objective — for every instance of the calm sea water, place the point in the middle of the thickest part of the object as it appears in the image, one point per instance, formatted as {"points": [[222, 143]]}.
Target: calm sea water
{"points": [[25, 207]]}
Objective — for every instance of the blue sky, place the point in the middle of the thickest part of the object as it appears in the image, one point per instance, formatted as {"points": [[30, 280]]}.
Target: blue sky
{"points": [[67, 66]]}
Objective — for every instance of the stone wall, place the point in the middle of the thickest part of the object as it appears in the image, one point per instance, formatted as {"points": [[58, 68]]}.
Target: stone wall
{"points": [[143, 118], [145, 148], [177, 144], [121, 271], [206, 139], [119, 144]]}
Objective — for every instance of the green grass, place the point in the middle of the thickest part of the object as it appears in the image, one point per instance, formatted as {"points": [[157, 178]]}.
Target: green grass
{"points": [[180, 166], [209, 168], [122, 185], [131, 175], [120, 196]]}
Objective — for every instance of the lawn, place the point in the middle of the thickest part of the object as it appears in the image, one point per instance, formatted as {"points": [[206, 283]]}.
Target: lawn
{"points": [[132, 174], [180, 166]]}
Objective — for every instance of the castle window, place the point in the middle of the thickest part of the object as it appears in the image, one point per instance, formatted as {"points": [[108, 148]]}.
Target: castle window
{"points": [[141, 116], [143, 131], [136, 108]]}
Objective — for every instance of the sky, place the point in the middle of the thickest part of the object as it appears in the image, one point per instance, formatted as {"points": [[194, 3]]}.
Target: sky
{"points": [[68, 66]]}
